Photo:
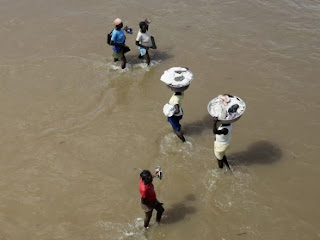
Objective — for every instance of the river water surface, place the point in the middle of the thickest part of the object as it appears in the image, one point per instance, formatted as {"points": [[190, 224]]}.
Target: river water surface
{"points": [[76, 130]]}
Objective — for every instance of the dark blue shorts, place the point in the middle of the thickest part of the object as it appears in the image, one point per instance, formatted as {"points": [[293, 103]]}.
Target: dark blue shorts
{"points": [[174, 121]]}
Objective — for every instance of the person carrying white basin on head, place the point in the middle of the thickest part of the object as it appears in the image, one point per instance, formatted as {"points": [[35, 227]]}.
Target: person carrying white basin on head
{"points": [[225, 109]]}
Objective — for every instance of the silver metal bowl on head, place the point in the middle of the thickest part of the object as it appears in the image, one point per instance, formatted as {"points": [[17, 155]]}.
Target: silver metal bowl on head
{"points": [[178, 89], [239, 101]]}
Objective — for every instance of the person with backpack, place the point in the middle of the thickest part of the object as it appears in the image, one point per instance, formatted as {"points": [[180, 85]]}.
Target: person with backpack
{"points": [[117, 41]]}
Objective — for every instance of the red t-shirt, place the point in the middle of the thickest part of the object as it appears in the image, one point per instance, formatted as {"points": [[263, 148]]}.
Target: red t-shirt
{"points": [[147, 191]]}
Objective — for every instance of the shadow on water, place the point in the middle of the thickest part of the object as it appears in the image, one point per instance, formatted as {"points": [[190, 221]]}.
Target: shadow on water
{"points": [[161, 55], [179, 211], [261, 152], [198, 127]]}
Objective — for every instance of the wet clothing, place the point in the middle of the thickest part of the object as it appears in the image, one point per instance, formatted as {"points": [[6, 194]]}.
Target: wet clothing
{"points": [[118, 55], [148, 212], [118, 36], [147, 192], [150, 207], [144, 39], [222, 142], [175, 122], [220, 149], [224, 138], [143, 51]]}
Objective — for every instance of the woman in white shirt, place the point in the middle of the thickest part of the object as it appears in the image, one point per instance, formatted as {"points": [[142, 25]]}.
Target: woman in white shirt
{"points": [[143, 41], [221, 144]]}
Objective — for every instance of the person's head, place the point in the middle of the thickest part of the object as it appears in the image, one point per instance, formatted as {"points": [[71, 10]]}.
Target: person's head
{"points": [[147, 21], [226, 124], [178, 93], [146, 177], [143, 27], [118, 23]]}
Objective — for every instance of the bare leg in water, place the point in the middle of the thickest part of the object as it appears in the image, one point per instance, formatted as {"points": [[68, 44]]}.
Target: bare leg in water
{"points": [[220, 163], [147, 58], [159, 210], [147, 218], [123, 62], [158, 207], [223, 161], [180, 135]]}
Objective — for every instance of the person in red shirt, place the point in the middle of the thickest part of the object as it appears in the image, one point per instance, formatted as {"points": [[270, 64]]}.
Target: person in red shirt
{"points": [[148, 197]]}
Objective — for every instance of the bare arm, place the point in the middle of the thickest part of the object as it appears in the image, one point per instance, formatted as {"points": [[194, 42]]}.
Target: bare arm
{"points": [[176, 109], [223, 131]]}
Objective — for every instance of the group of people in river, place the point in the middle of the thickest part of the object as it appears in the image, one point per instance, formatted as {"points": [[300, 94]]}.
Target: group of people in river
{"points": [[117, 39], [222, 132], [145, 41]]}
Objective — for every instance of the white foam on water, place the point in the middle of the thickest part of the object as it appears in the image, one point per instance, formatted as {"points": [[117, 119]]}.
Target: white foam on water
{"points": [[131, 67], [210, 181], [122, 231], [228, 189], [143, 65], [114, 66], [172, 144]]}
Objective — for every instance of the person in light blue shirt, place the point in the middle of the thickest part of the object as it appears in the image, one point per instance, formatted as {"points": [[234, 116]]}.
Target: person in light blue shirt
{"points": [[118, 40]]}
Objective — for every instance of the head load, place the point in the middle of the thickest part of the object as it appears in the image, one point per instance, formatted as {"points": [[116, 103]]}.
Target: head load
{"points": [[177, 78], [226, 108]]}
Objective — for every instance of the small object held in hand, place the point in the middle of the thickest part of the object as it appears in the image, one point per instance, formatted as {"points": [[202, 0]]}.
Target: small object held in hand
{"points": [[158, 171], [128, 30]]}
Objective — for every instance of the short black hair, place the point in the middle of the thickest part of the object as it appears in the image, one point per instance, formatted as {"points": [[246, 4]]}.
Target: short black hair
{"points": [[141, 24], [145, 175]]}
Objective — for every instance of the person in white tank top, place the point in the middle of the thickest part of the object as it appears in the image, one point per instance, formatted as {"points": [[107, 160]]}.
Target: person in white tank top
{"points": [[222, 142], [174, 120]]}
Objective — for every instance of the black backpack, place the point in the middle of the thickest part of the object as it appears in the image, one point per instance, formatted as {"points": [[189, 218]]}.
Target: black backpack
{"points": [[109, 37]]}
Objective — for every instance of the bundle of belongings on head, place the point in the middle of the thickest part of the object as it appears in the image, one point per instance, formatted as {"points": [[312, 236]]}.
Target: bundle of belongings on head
{"points": [[226, 107], [177, 78]]}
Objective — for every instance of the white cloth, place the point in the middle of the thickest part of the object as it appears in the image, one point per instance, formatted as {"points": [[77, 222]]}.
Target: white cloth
{"points": [[219, 108], [168, 110], [221, 138], [177, 77], [144, 39]]}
